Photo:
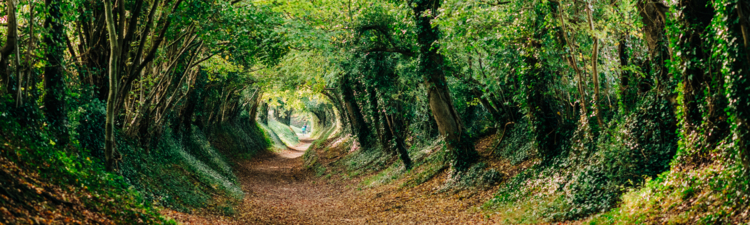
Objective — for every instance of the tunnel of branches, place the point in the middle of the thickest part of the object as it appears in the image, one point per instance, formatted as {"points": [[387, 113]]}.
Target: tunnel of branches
{"points": [[617, 91]]}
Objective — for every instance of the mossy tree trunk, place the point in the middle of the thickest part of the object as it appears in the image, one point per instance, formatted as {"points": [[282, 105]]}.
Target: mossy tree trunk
{"points": [[535, 86], [430, 64], [343, 116], [356, 119], [255, 101], [627, 95], [8, 47], [702, 84], [54, 83], [382, 137], [594, 63], [394, 118], [736, 16], [263, 112]]}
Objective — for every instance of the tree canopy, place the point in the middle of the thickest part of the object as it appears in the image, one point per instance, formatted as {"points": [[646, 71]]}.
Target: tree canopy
{"points": [[612, 92]]}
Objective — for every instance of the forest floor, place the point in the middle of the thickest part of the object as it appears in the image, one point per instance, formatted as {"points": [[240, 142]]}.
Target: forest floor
{"points": [[279, 190]]}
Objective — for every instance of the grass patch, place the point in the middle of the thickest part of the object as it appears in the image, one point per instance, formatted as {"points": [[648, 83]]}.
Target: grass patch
{"points": [[277, 144], [285, 133], [296, 130], [386, 176]]}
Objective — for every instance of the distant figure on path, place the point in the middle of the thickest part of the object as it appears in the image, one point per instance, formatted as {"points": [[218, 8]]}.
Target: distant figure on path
{"points": [[304, 129]]}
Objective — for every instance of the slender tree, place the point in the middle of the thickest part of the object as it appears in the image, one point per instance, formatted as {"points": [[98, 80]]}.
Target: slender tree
{"points": [[594, 62], [114, 57]]}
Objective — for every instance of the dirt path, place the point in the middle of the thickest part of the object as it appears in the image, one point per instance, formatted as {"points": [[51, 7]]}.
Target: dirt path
{"points": [[280, 191]]}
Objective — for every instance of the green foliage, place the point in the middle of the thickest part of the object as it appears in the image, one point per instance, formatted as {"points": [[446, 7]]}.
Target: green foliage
{"points": [[361, 161], [171, 175], [527, 66], [516, 144], [87, 122], [393, 172], [477, 176], [684, 193], [75, 172], [731, 26], [429, 164], [241, 139], [642, 146]]}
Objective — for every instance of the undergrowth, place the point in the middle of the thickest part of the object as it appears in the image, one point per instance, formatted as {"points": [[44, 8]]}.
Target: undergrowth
{"points": [[593, 173], [68, 169], [310, 157], [716, 193], [173, 175], [184, 170]]}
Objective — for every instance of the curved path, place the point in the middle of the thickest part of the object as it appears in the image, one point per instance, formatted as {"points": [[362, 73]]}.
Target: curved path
{"points": [[280, 191]]}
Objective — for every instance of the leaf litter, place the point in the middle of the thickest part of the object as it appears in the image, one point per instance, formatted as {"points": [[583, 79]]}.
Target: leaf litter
{"points": [[280, 190]]}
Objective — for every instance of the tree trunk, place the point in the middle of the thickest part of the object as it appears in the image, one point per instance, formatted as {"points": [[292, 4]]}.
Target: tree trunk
{"points": [[263, 112], [573, 63], [109, 145], [475, 89], [395, 125], [192, 100], [7, 49], [94, 41], [654, 19], [696, 16], [534, 85], [27, 64], [627, 97], [487, 105], [255, 101], [373, 97], [337, 103], [357, 121], [594, 72], [54, 83], [737, 39], [430, 63], [321, 112]]}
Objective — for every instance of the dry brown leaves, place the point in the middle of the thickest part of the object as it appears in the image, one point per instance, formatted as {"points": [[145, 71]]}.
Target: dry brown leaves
{"points": [[25, 199], [280, 191]]}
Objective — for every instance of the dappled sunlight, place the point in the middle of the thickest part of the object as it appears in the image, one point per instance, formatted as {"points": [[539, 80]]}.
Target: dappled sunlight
{"points": [[374, 112]]}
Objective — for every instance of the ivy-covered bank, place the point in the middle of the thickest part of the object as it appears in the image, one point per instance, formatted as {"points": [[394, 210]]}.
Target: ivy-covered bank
{"points": [[595, 111]]}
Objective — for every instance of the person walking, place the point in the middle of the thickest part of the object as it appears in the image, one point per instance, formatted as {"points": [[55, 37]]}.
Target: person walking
{"points": [[304, 129]]}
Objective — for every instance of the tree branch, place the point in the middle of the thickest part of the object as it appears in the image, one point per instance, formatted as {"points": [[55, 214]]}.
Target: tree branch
{"points": [[396, 50]]}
